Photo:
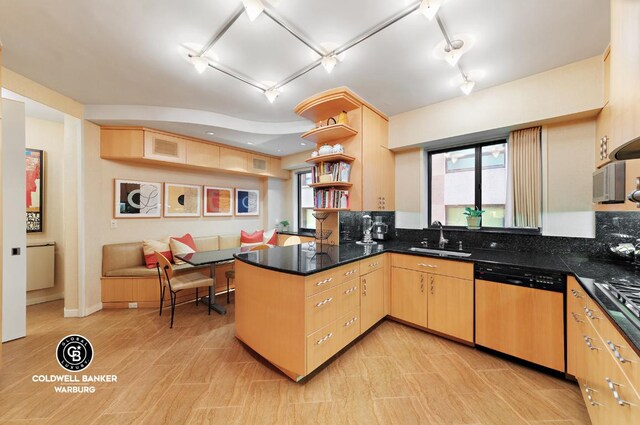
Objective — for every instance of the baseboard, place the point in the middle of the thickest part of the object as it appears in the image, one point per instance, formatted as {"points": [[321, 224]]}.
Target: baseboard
{"points": [[93, 309], [45, 299], [71, 312]]}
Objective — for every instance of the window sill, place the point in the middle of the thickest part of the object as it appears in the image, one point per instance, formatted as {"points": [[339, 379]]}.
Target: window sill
{"points": [[498, 230]]}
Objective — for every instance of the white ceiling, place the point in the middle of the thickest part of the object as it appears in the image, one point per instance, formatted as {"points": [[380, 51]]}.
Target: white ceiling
{"points": [[125, 53]]}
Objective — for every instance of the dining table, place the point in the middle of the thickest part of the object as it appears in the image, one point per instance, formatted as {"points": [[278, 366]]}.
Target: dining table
{"points": [[211, 259]]}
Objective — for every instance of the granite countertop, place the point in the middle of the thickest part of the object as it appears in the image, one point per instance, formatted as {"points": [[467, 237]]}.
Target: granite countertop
{"points": [[304, 260]]}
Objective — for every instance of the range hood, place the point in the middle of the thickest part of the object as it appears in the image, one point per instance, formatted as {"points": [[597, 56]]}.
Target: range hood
{"points": [[630, 150]]}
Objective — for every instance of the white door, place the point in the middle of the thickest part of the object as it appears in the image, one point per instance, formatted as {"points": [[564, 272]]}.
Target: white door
{"points": [[14, 264]]}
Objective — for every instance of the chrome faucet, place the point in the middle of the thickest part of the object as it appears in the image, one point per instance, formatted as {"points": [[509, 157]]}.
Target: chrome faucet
{"points": [[442, 241]]}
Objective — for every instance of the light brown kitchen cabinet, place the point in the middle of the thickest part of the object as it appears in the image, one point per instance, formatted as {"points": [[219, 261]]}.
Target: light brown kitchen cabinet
{"points": [[143, 145], [576, 320], [603, 138], [625, 72], [371, 298], [165, 147], [203, 155], [234, 160], [450, 306], [378, 164], [409, 296]]}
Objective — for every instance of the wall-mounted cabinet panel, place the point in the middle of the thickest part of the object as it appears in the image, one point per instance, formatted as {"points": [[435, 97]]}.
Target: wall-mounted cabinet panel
{"points": [[259, 164], [203, 155], [233, 160], [163, 147], [121, 143]]}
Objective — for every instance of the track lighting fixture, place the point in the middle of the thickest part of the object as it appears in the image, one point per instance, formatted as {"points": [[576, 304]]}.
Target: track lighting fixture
{"points": [[467, 86], [253, 8], [329, 62], [429, 8], [272, 94], [199, 63]]}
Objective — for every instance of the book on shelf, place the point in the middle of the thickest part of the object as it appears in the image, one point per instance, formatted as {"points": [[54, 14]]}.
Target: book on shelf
{"points": [[337, 172], [331, 198]]}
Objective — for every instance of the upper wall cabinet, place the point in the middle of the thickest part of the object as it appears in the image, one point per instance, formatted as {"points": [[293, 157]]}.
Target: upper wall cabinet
{"points": [[624, 76], [163, 147], [364, 137], [151, 146]]}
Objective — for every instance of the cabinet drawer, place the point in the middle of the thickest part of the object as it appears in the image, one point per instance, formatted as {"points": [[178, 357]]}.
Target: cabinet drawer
{"points": [[371, 264], [459, 269], [615, 344], [326, 306], [330, 339], [324, 280]]}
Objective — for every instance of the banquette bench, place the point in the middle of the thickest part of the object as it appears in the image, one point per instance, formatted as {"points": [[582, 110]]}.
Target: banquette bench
{"points": [[128, 283]]}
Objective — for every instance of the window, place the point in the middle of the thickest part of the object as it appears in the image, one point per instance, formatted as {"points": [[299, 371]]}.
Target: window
{"points": [[306, 221], [474, 177]]}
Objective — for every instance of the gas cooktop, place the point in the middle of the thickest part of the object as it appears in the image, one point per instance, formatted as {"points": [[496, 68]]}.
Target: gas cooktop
{"points": [[626, 294]]}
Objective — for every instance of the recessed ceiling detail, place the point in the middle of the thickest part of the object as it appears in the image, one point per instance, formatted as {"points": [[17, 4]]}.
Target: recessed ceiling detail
{"points": [[326, 54]]}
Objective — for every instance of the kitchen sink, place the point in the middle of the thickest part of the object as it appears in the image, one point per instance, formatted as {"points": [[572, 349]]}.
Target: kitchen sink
{"points": [[441, 252]]}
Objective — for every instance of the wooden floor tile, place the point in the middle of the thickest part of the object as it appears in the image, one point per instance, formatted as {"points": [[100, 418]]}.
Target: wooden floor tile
{"points": [[491, 409], [456, 371], [175, 405]]}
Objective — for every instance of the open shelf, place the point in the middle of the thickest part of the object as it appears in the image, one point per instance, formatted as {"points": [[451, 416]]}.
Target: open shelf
{"points": [[331, 209], [329, 133], [334, 157], [328, 104], [338, 185]]}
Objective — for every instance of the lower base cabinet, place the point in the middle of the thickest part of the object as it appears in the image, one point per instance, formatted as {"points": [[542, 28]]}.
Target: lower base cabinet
{"points": [[600, 361], [408, 296], [450, 306], [371, 299]]}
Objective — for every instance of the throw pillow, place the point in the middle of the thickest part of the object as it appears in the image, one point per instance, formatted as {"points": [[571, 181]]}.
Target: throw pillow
{"points": [[251, 239], [149, 249], [270, 238], [182, 245]]}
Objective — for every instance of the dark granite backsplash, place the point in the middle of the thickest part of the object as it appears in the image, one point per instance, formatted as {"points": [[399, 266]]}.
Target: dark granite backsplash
{"points": [[611, 227], [351, 224]]}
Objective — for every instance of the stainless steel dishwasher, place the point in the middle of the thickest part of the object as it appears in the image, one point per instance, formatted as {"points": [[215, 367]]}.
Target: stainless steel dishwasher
{"points": [[520, 312]]}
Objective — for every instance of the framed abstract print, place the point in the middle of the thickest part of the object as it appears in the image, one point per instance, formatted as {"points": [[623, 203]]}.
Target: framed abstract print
{"points": [[34, 189], [247, 202], [218, 201], [182, 200], [136, 199]]}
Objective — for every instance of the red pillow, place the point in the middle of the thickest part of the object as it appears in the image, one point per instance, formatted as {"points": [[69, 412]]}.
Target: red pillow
{"points": [[271, 237], [255, 237]]}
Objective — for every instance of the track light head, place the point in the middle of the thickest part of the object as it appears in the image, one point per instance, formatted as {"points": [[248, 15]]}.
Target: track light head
{"points": [[429, 8], [200, 63], [253, 8], [467, 86], [329, 62], [272, 94]]}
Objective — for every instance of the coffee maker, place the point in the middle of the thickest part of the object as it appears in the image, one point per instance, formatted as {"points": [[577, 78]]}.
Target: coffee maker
{"points": [[380, 229]]}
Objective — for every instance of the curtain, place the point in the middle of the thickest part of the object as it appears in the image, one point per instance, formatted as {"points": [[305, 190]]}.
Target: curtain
{"points": [[525, 162]]}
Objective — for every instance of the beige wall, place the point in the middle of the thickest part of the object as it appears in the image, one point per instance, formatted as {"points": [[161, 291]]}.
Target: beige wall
{"points": [[576, 88], [567, 188], [99, 187], [410, 188], [49, 136]]}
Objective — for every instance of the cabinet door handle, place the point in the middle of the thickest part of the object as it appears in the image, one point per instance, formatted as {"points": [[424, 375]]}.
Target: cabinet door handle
{"points": [[322, 282], [587, 340], [431, 266], [612, 386], [432, 286], [323, 302], [575, 317], [616, 353], [589, 392], [576, 294], [324, 338], [350, 272], [589, 314], [350, 322], [350, 290], [373, 264], [422, 283]]}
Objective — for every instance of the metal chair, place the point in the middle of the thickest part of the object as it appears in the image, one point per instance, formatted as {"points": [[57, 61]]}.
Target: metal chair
{"points": [[231, 274], [180, 282]]}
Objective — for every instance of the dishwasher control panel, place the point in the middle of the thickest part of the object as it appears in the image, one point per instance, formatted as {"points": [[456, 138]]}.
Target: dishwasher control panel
{"points": [[522, 276]]}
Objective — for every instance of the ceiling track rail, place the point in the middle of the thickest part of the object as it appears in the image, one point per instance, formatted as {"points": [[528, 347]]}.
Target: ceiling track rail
{"points": [[312, 46]]}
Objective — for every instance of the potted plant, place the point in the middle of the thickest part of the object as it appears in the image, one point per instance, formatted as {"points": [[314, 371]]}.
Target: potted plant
{"points": [[285, 225], [474, 217]]}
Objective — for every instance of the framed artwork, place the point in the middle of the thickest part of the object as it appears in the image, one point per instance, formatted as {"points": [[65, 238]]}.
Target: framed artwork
{"points": [[182, 200], [218, 201], [247, 202], [136, 199], [34, 189]]}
